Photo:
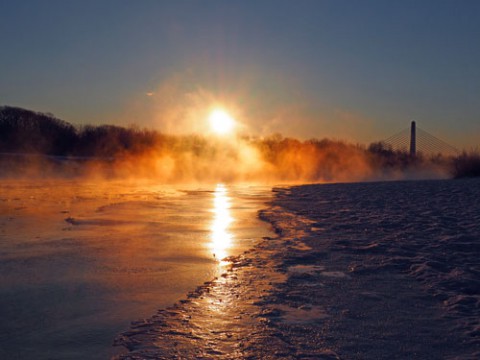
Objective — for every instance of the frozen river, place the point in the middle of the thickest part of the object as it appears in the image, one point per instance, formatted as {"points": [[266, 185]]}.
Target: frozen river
{"points": [[80, 261]]}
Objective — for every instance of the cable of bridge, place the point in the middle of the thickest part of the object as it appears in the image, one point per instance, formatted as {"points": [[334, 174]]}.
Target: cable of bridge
{"points": [[399, 141], [432, 147], [439, 143], [427, 148], [401, 134]]}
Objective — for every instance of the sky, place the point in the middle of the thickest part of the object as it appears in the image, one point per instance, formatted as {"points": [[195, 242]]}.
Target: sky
{"points": [[353, 70]]}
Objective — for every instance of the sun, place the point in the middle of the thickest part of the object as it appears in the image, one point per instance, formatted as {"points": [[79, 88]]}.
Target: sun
{"points": [[221, 122]]}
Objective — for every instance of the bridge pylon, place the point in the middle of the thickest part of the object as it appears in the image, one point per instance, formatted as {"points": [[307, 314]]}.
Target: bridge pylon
{"points": [[413, 139]]}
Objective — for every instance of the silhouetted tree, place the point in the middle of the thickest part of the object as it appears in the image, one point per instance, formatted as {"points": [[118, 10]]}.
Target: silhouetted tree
{"points": [[25, 131], [466, 165]]}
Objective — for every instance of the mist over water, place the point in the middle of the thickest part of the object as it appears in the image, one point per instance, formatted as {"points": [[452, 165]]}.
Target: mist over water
{"points": [[204, 160], [40, 145]]}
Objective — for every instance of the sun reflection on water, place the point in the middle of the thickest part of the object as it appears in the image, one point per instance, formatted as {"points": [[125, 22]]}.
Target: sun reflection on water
{"points": [[221, 237]]}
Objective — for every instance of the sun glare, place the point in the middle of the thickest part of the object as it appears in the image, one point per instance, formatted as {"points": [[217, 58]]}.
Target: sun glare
{"points": [[221, 236], [221, 122]]}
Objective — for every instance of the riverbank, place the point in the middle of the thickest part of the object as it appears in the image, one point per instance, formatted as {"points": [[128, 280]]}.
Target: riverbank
{"points": [[357, 271]]}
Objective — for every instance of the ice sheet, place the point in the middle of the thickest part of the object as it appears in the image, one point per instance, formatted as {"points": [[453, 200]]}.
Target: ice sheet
{"points": [[79, 261]]}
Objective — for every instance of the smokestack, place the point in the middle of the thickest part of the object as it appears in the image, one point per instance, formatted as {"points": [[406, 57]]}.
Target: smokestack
{"points": [[413, 139]]}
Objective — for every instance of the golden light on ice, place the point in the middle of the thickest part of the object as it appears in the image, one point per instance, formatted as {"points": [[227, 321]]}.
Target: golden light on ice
{"points": [[221, 122], [221, 237]]}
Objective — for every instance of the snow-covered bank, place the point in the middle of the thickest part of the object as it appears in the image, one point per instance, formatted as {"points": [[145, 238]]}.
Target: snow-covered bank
{"points": [[358, 271], [398, 264]]}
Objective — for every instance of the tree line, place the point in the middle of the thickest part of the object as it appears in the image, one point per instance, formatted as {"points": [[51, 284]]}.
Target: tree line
{"points": [[35, 133], [28, 132]]}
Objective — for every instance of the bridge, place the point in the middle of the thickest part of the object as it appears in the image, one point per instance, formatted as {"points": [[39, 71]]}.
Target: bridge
{"points": [[416, 140]]}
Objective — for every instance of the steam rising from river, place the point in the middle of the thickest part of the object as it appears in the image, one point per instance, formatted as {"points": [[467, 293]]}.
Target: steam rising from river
{"points": [[199, 159], [37, 144]]}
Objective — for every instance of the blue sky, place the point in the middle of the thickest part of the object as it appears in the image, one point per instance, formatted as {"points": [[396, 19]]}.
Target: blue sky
{"points": [[358, 70]]}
